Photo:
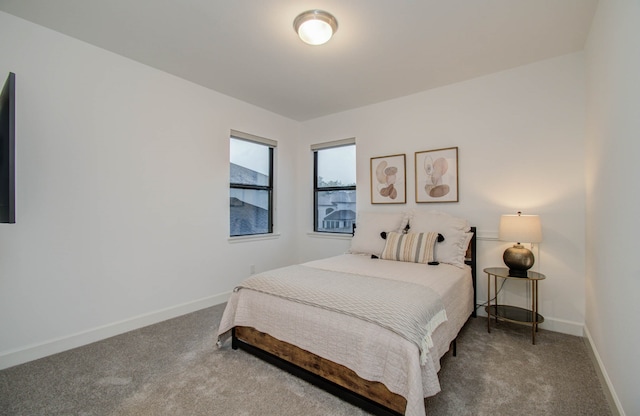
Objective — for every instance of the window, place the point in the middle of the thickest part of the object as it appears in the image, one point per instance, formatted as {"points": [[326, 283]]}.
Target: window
{"points": [[334, 187], [251, 184]]}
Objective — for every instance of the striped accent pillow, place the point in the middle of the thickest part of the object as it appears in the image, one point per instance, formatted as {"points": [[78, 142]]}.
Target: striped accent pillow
{"points": [[412, 247]]}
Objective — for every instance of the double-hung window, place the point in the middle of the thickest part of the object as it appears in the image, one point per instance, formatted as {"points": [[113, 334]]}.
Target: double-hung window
{"points": [[251, 184], [334, 186]]}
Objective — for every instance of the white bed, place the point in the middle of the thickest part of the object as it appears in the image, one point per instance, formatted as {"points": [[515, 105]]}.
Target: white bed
{"points": [[374, 353]]}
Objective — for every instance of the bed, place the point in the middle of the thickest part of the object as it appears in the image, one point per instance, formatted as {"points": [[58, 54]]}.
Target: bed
{"points": [[321, 334]]}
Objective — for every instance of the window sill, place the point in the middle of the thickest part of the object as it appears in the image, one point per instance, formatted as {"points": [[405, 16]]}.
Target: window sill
{"points": [[254, 237], [333, 236]]}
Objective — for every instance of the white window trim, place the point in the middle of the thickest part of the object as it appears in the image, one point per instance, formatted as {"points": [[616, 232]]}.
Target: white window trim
{"points": [[252, 138], [253, 237], [335, 143], [332, 236]]}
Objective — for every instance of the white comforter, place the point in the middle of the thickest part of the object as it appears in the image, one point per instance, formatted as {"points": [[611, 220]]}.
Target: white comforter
{"points": [[374, 353]]}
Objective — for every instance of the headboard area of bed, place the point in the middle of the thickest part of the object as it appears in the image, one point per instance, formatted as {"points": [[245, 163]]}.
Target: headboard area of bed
{"points": [[470, 260], [454, 234]]}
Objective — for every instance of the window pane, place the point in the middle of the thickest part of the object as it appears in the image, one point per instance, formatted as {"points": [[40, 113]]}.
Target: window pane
{"points": [[337, 166], [336, 211], [249, 163], [249, 211]]}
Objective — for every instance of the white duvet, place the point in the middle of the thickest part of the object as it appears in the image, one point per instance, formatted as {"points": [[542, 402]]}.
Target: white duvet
{"points": [[374, 353]]}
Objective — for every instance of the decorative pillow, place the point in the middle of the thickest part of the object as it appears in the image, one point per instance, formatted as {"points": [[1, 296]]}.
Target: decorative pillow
{"points": [[455, 231], [414, 247], [369, 225]]}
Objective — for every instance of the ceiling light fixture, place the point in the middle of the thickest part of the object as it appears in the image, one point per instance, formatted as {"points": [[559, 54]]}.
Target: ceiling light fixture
{"points": [[315, 27]]}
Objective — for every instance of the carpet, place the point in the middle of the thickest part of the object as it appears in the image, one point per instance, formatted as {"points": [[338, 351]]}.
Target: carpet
{"points": [[174, 368]]}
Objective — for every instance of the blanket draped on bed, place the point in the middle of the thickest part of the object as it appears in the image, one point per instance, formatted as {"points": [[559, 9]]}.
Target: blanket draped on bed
{"points": [[407, 309]]}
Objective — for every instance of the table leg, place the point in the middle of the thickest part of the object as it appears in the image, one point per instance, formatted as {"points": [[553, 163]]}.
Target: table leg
{"points": [[536, 283], [488, 303], [534, 311], [495, 292]]}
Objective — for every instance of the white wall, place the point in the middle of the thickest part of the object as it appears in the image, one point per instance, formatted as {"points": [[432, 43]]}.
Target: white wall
{"points": [[613, 201], [520, 135], [122, 195], [122, 186]]}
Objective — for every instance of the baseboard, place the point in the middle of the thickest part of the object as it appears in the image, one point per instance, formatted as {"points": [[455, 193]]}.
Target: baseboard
{"points": [[552, 324], [563, 326], [609, 391], [54, 346]]}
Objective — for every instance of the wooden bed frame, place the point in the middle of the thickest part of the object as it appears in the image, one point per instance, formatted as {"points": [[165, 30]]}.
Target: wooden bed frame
{"points": [[337, 379]]}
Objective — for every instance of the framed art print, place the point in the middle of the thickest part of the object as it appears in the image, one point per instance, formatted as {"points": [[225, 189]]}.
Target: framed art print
{"points": [[437, 175], [388, 180]]}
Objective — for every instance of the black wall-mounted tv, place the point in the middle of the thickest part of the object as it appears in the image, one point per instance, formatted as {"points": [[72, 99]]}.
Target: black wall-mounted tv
{"points": [[7, 151]]}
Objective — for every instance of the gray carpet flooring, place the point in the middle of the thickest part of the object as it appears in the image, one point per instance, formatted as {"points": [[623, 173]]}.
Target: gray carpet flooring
{"points": [[174, 368]]}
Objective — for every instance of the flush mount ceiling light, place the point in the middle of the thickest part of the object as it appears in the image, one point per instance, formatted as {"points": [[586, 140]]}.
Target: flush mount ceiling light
{"points": [[315, 27]]}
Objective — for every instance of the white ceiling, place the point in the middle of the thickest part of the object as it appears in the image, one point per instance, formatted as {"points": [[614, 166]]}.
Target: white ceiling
{"points": [[383, 49]]}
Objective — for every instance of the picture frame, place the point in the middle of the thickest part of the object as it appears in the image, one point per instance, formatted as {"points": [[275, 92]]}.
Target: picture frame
{"points": [[437, 175], [388, 179]]}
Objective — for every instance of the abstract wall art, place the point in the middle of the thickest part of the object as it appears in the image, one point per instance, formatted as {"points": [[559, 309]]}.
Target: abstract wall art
{"points": [[437, 175], [388, 180]]}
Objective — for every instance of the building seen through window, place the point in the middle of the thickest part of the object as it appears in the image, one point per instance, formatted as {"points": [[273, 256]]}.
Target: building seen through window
{"points": [[250, 185], [335, 187]]}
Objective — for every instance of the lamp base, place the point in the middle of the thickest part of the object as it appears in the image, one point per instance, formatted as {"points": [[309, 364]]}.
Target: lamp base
{"points": [[518, 273], [518, 259]]}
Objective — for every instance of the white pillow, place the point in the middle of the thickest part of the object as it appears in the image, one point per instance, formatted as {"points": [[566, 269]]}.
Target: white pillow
{"points": [[454, 230], [369, 225]]}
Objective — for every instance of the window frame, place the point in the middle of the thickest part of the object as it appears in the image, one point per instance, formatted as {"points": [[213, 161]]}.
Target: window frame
{"points": [[271, 145], [316, 190]]}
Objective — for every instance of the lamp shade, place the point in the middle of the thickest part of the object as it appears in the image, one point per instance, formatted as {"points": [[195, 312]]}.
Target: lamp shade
{"points": [[520, 228]]}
